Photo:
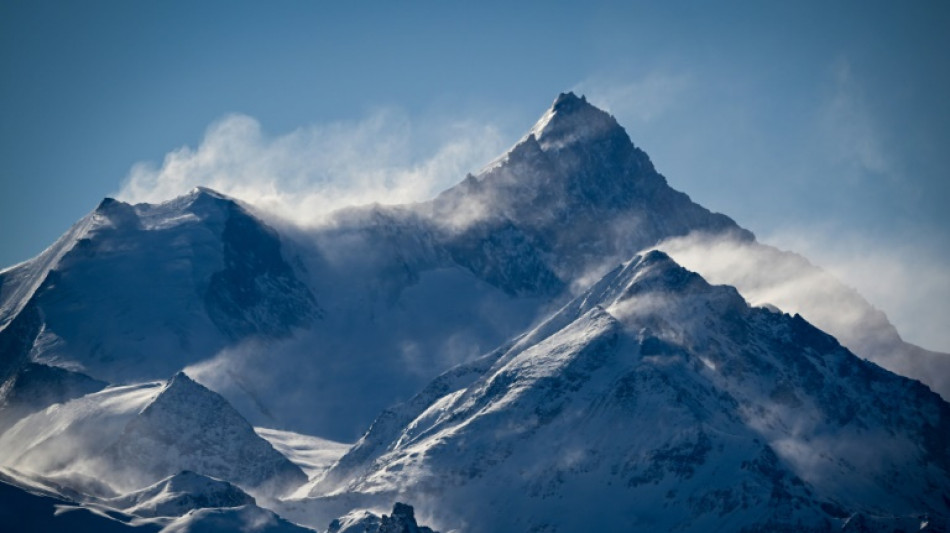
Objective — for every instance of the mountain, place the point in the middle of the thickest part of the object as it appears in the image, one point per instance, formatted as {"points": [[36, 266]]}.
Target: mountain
{"points": [[358, 303], [130, 437], [578, 192], [496, 367], [508, 245], [167, 285], [223, 282], [656, 401]]}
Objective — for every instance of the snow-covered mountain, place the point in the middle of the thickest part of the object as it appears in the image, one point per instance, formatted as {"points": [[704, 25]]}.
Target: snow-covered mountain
{"points": [[656, 401], [508, 244], [132, 436], [578, 194], [559, 392], [359, 302], [138, 292]]}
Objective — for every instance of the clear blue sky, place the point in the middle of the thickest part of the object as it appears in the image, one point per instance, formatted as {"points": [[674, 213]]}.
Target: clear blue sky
{"points": [[795, 118]]}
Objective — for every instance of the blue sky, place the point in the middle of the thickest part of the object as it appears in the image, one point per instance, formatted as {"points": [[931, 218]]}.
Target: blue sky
{"points": [[818, 125]]}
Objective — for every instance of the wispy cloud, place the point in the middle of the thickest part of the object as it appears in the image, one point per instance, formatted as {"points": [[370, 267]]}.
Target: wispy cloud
{"points": [[306, 173]]}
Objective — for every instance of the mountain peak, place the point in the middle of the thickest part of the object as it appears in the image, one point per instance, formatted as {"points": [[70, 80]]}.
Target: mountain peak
{"points": [[107, 203], [190, 427], [117, 212], [572, 118], [182, 382], [567, 99], [207, 191], [201, 199]]}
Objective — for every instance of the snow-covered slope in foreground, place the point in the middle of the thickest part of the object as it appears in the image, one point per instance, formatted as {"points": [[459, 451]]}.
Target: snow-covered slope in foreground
{"points": [[657, 402]]}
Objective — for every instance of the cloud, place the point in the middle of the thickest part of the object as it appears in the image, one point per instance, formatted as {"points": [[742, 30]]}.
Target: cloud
{"points": [[306, 173], [905, 280], [642, 100]]}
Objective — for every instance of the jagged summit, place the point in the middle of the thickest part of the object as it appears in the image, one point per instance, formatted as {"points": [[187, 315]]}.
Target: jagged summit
{"points": [[208, 191], [579, 189], [208, 268], [201, 203], [569, 100], [181, 383], [573, 119], [107, 203]]}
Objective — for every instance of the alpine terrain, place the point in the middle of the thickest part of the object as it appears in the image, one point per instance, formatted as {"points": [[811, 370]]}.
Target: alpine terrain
{"points": [[561, 342]]}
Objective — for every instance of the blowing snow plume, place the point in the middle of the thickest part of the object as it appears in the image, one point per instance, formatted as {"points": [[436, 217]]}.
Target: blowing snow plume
{"points": [[305, 174], [767, 275]]}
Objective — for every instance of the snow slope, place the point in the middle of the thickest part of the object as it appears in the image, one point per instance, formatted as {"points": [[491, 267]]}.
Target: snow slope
{"points": [[312, 454], [665, 404]]}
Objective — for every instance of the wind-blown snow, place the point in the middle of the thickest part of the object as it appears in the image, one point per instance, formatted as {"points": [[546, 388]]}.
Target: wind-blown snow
{"points": [[130, 437]]}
